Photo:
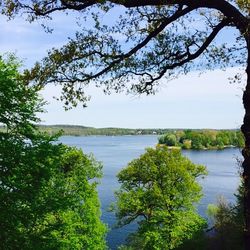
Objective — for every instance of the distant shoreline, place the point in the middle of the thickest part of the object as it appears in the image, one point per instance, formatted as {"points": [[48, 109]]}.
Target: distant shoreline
{"points": [[88, 131], [77, 130]]}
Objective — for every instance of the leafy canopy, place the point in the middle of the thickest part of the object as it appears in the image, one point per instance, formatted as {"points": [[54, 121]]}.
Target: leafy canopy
{"points": [[131, 45], [47, 190], [158, 191]]}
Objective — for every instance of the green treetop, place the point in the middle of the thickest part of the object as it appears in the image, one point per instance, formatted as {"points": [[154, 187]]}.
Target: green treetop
{"points": [[47, 190], [158, 191]]}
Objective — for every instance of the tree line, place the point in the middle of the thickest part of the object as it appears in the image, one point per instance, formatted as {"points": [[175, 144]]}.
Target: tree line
{"points": [[203, 139], [226, 137], [110, 131]]}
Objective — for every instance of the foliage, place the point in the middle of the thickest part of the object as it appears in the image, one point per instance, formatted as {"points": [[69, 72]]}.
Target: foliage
{"points": [[244, 5], [81, 130], [204, 139], [235, 136], [158, 191], [19, 103], [145, 42], [168, 139], [47, 190], [228, 224], [131, 45]]}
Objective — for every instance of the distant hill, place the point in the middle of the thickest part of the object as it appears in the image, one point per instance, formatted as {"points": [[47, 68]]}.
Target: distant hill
{"points": [[77, 130], [82, 130]]}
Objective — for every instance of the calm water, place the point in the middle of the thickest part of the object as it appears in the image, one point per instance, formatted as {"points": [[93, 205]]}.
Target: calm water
{"points": [[115, 152]]}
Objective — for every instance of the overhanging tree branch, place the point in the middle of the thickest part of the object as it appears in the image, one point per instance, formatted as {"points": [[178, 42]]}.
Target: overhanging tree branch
{"points": [[151, 35], [117, 59], [189, 57]]}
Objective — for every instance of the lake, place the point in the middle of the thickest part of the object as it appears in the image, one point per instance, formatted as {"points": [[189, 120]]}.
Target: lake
{"points": [[116, 151]]}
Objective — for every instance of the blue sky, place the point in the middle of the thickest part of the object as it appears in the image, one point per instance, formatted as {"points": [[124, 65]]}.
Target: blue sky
{"points": [[191, 101]]}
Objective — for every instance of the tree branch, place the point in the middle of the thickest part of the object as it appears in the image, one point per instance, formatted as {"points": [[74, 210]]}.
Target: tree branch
{"points": [[190, 57], [151, 35]]}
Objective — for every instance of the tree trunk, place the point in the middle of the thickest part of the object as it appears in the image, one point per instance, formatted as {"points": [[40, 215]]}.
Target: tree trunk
{"points": [[246, 151]]}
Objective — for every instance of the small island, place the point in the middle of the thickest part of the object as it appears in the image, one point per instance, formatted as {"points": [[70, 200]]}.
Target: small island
{"points": [[203, 139]]}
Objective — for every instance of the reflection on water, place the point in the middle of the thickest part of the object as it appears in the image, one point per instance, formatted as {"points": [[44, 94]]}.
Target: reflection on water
{"points": [[116, 151]]}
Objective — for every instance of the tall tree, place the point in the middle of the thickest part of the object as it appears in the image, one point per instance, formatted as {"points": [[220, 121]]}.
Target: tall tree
{"points": [[47, 190], [150, 40], [158, 191]]}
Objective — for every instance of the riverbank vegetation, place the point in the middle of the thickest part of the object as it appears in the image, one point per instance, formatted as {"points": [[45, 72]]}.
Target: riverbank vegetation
{"points": [[75, 130], [233, 136], [203, 139], [228, 224]]}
